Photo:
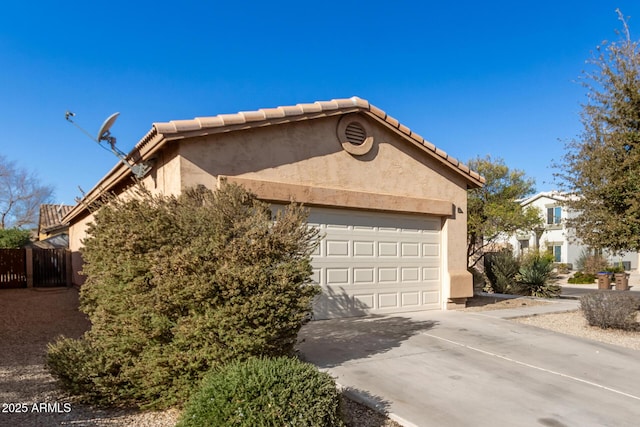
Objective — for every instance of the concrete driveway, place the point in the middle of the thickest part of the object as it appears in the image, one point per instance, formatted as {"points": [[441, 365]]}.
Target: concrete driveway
{"points": [[472, 369]]}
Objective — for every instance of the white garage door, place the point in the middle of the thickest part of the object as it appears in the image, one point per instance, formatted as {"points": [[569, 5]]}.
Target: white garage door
{"points": [[377, 263]]}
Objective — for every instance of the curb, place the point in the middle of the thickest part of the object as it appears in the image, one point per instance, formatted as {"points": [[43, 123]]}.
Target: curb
{"points": [[361, 398]]}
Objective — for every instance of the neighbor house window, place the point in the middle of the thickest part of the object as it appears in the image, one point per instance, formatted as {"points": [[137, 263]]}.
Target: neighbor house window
{"points": [[554, 215], [556, 251], [524, 245]]}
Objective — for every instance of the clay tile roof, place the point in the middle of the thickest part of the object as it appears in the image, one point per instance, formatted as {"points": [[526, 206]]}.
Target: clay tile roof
{"points": [[51, 216]]}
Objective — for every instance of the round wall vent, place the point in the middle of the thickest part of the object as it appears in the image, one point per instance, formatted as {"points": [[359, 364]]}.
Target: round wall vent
{"points": [[355, 134]]}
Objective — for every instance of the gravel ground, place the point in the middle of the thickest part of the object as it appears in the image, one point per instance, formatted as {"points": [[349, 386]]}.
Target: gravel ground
{"points": [[574, 323], [483, 303], [29, 396]]}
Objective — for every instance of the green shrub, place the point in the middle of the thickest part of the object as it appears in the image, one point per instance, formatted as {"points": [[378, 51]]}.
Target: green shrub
{"points": [[613, 269], [534, 276], [580, 277], [501, 269], [13, 238], [176, 286], [264, 392], [608, 309]]}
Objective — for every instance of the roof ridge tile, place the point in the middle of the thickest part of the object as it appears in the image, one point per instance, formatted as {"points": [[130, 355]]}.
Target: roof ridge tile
{"points": [[328, 105], [232, 119], [253, 116]]}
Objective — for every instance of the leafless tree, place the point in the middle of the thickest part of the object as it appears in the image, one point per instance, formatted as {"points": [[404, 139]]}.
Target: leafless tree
{"points": [[21, 195]]}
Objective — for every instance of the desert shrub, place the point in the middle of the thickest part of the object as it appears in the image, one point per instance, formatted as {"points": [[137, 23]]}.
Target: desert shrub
{"points": [[608, 309], [580, 277], [562, 268], [177, 285], [264, 392], [534, 276], [591, 263], [501, 269]]}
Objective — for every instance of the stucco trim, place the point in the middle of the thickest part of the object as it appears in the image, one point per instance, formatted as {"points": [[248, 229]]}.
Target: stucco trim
{"points": [[461, 284], [332, 197]]}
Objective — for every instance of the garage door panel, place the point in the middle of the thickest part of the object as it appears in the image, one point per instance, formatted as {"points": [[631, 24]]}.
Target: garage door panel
{"points": [[430, 273], [387, 274], [410, 299], [388, 249], [363, 248], [430, 249], [375, 263], [364, 275], [410, 274], [430, 297], [388, 300], [337, 248], [410, 249], [364, 301], [337, 276]]}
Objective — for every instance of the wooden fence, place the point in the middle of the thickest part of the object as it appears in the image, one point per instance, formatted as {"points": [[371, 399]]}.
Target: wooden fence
{"points": [[25, 268], [13, 268]]}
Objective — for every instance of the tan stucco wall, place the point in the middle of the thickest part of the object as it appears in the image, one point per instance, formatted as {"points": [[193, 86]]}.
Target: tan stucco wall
{"points": [[164, 178], [310, 154], [77, 232]]}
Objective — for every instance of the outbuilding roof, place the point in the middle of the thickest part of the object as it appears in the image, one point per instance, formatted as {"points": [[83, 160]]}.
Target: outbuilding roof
{"points": [[51, 217]]}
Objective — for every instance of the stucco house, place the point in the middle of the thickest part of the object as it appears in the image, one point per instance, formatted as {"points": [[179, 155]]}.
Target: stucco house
{"points": [[391, 206], [556, 237]]}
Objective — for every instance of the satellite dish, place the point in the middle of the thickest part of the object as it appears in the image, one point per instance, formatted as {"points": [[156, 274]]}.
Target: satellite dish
{"points": [[103, 133]]}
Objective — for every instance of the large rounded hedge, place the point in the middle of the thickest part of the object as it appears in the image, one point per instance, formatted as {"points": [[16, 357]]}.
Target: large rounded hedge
{"points": [[178, 285]]}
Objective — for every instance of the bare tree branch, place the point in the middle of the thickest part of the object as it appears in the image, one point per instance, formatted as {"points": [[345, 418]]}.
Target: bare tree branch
{"points": [[21, 195]]}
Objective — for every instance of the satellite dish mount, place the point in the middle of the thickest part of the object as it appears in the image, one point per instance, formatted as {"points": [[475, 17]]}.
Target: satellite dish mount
{"points": [[104, 135]]}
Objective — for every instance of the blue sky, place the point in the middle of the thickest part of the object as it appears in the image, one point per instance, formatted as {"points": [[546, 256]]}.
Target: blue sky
{"points": [[474, 78]]}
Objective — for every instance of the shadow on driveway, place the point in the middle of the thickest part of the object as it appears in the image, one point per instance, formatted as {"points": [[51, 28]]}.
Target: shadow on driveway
{"points": [[328, 343]]}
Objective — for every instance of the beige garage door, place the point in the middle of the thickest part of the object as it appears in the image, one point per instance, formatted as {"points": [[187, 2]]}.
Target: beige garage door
{"points": [[377, 263]]}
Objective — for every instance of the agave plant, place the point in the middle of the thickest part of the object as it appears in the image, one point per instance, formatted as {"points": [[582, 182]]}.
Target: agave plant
{"points": [[534, 276]]}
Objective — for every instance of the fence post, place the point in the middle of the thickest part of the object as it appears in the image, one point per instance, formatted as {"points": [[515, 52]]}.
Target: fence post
{"points": [[29, 266], [69, 271]]}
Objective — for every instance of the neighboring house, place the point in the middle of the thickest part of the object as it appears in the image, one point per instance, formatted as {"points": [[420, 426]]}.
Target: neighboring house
{"points": [[50, 221], [52, 230], [555, 236], [391, 206]]}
